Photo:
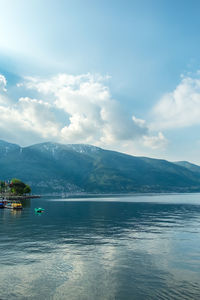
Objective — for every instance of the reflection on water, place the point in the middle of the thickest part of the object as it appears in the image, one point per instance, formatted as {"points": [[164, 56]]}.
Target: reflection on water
{"points": [[26, 203], [102, 250]]}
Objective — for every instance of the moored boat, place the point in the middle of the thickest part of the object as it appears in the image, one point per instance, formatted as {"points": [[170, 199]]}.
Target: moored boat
{"points": [[13, 204], [2, 204]]}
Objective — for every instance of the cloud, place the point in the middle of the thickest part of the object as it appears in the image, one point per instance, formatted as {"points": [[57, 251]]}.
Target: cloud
{"points": [[38, 117], [180, 108], [3, 83], [71, 109], [28, 121], [155, 142], [92, 113]]}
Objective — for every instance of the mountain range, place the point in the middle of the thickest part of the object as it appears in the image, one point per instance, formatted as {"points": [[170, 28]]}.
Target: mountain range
{"points": [[76, 168]]}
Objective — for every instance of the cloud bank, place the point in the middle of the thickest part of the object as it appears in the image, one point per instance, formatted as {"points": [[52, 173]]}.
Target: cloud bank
{"points": [[180, 108], [91, 113], [72, 109]]}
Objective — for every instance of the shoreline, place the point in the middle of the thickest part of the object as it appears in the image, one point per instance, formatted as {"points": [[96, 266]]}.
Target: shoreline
{"points": [[12, 197]]}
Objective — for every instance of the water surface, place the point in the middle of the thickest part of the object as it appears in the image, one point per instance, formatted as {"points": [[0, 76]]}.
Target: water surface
{"points": [[136, 247]]}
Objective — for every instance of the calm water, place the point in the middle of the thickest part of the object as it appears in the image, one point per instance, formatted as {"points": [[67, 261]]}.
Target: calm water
{"points": [[144, 247]]}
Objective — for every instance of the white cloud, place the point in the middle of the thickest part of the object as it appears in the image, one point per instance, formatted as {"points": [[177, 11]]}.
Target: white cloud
{"points": [[92, 113], [181, 108], [28, 121], [72, 109], [38, 117], [155, 142], [3, 83]]}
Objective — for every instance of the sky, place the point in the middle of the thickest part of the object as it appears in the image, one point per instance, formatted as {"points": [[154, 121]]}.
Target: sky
{"points": [[121, 75]]}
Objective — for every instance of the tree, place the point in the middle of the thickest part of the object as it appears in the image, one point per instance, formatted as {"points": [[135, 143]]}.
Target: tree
{"points": [[27, 189], [18, 187]]}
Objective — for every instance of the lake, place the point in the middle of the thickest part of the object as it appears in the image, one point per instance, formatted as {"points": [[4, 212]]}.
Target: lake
{"points": [[134, 247]]}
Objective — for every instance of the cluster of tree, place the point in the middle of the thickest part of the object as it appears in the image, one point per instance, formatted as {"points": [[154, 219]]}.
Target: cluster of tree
{"points": [[15, 187]]}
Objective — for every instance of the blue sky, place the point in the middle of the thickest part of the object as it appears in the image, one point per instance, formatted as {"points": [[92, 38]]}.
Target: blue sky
{"points": [[122, 75]]}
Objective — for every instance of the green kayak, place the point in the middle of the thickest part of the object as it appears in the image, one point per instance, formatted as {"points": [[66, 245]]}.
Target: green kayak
{"points": [[39, 210]]}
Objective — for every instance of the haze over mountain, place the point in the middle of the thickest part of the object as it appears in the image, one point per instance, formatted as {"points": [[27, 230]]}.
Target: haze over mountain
{"points": [[57, 168]]}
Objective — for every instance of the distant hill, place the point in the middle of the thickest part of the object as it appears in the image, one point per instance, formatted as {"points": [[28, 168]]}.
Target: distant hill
{"points": [[192, 167], [56, 168]]}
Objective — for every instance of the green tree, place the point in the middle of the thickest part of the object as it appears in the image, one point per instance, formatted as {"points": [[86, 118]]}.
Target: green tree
{"points": [[27, 189], [17, 187]]}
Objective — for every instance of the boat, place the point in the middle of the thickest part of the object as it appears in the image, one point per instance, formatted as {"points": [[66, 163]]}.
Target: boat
{"points": [[13, 204], [39, 210], [2, 204]]}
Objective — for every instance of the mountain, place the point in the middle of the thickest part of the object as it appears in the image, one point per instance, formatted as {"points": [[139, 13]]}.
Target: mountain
{"points": [[56, 168], [192, 167]]}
